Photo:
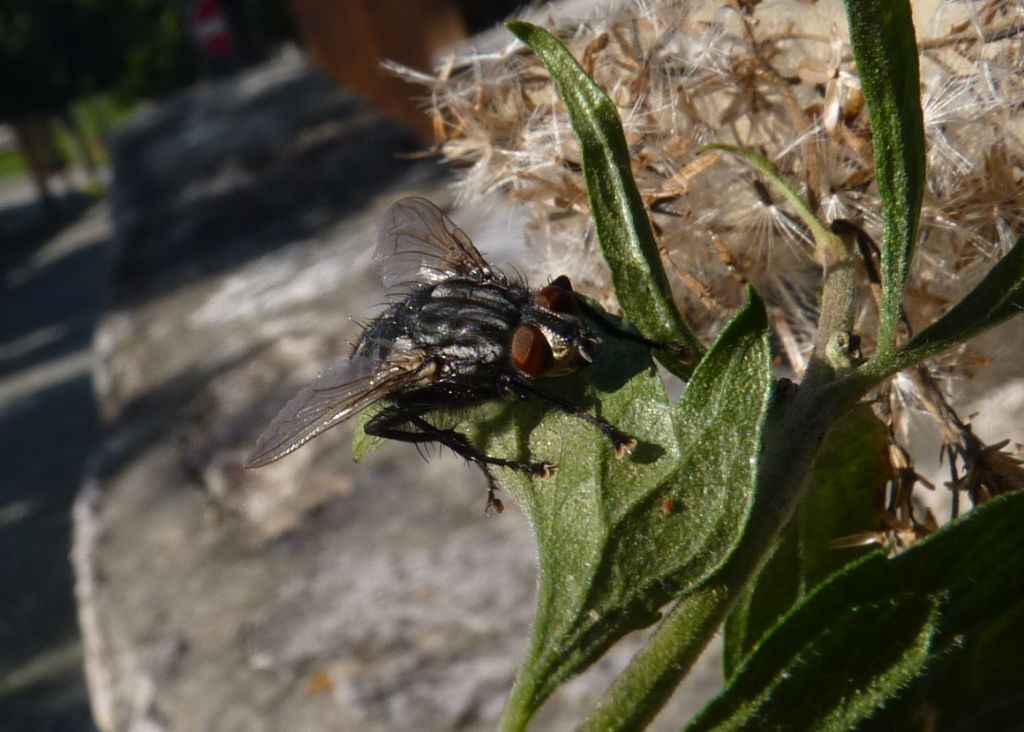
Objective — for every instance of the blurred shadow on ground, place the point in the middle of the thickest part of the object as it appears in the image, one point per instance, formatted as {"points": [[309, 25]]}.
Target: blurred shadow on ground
{"points": [[50, 300], [54, 308], [47, 438], [24, 226]]}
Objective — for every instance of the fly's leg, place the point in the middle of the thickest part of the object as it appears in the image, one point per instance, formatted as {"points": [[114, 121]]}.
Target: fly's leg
{"points": [[492, 488], [392, 423], [458, 443], [622, 442]]}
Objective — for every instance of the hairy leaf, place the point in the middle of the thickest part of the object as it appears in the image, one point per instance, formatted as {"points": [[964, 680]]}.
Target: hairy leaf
{"points": [[896, 639], [998, 297], [362, 443], [882, 36]]}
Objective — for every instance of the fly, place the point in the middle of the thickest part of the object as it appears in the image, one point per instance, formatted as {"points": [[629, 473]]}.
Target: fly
{"points": [[458, 332]]}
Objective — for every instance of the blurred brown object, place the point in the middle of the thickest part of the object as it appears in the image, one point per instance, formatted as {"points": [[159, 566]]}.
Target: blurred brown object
{"points": [[349, 39]]}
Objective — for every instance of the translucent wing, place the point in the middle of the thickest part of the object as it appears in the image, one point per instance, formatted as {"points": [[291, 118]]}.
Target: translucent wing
{"points": [[346, 388], [417, 242]]}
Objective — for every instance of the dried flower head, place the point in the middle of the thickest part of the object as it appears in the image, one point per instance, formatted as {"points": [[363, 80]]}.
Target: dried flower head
{"points": [[776, 77]]}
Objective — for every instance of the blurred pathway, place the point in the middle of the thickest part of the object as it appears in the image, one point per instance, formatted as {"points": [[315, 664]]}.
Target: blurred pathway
{"points": [[50, 299]]}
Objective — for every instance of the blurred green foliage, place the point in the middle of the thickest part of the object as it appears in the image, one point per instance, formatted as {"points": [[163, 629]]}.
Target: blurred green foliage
{"points": [[55, 51], [11, 163], [95, 115]]}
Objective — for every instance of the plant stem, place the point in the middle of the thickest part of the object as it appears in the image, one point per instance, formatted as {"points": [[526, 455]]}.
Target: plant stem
{"points": [[642, 689], [518, 709], [530, 689], [838, 296]]}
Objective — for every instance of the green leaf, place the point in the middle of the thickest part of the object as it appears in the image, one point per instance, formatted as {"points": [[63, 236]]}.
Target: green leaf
{"points": [[362, 443], [842, 500], [998, 297], [719, 422], [882, 37], [975, 685], [618, 540], [620, 217], [887, 638]]}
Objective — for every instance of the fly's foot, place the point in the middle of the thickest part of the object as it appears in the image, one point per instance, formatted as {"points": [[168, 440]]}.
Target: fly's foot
{"points": [[547, 470], [493, 503], [623, 443], [541, 470]]}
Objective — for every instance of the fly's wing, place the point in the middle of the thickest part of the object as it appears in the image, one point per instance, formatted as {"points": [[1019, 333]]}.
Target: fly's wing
{"points": [[339, 393], [417, 242]]}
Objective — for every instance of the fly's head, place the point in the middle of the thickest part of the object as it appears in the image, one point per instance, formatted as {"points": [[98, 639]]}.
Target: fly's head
{"points": [[552, 338]]}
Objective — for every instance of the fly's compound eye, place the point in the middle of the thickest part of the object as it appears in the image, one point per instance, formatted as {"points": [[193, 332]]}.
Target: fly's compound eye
{"points": [[556, 297], [531, 352]]}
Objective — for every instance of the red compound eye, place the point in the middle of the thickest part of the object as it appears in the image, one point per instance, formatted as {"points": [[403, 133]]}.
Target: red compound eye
{"points": [[557, 296], [531, 352]]}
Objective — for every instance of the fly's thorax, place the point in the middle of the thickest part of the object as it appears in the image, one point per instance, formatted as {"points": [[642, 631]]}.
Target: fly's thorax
{"points": [[463, 311], [463, 323]]}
